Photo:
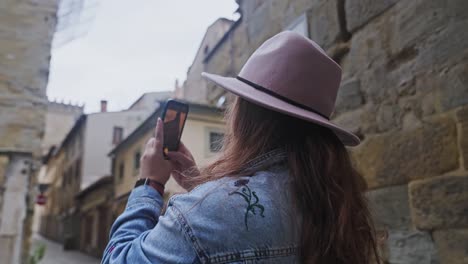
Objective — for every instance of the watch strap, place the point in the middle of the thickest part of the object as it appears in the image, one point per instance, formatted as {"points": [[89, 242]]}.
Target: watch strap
{"points": [[155, 184]]}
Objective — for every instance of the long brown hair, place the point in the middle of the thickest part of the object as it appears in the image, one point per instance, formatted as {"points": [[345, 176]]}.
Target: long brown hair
{"points": [[336, 226]]}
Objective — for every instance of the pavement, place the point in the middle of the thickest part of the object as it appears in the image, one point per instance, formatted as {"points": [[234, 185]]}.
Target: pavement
{"points": [[55, 254]]}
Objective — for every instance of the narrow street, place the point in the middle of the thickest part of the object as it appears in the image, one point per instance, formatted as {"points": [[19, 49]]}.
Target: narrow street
{"points": [[54, 253]]}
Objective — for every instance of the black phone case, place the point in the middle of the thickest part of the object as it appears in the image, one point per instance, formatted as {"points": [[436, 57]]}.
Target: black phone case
{"points": [[180, 105]]}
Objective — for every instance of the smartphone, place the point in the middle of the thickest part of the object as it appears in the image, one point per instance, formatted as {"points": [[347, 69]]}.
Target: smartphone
{"points": [[174, 116]]}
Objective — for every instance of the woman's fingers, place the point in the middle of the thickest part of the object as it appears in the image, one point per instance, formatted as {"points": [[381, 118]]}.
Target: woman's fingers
{"points": [[180, 158], [185, 150], [150, 143], [159, 136]]}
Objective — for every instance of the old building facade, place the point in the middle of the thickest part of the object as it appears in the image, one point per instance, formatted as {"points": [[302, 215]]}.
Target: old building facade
{"points": [[26, 30], [76, 165], [193, 88], [404, 92], [95, 204]]}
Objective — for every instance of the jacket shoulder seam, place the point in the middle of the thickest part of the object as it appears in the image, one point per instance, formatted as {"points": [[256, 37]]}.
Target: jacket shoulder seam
{"points": [[188, 232]]}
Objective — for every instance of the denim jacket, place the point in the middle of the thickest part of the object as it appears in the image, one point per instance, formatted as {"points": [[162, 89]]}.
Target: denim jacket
{"points": [[247, 219]]}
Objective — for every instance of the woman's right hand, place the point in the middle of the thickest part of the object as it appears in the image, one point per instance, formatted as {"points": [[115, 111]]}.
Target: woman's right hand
{"points": [[184, 166]]}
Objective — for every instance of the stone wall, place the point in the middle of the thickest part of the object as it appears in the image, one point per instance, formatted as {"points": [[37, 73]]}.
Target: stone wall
{"points": [[193, 87], [26, 29], [404, 92]]}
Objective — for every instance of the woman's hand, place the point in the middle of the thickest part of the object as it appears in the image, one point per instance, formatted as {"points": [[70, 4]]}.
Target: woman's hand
{"points": [[153, 164], [184, 166]]}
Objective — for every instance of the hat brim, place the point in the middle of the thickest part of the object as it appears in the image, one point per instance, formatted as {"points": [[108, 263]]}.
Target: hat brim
{"points": [[253, 95]]}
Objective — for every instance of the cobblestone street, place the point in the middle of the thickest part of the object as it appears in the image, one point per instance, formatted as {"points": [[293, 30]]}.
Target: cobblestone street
{"points": [[54, 253]]}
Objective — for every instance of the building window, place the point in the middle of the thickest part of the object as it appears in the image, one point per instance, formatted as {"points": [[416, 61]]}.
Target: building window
{"points": [[117, 136], [121, 171], [215, 141], [78, 171], [136, 161], [70, 175], [64, 180]]}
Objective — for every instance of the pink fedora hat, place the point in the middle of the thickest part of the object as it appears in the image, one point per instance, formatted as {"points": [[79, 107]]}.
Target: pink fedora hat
{"points": [[290, 74]]}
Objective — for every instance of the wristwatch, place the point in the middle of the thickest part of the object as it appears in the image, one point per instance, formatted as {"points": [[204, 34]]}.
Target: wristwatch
{"points": [[155, 184]]}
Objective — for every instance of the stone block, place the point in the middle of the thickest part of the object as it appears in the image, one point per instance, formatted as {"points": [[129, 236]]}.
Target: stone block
{"points": [[352, 120], [6, 250], [388, 116], [349, 96], [440, 202], [396, 157], [418, 20], [323, 22], [462, 117], [390, 207], [360, 12], [445, 47], [4, 160], [259, 26], [410, 247], [453, 86], [452, 245], [370, 46]]}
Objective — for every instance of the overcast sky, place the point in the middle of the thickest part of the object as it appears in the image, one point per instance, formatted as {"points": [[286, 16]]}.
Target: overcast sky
{"points": [[132, 47]]}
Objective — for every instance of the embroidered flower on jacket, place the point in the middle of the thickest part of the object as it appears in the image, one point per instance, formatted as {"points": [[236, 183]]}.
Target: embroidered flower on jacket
{"points": [[251, 198], [241, 182]]}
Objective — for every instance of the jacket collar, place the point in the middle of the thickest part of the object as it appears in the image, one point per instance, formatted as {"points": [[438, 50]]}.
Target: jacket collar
{"points": [[266, 160]]}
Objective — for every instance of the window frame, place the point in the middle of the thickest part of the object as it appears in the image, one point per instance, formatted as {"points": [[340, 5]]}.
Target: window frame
{"points": [[121, 172], [207, 143], [136, 161], [115, 140]]}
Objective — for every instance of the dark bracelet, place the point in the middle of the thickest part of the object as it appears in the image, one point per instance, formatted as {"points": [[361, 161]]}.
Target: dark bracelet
{"points": [[155, 184]]}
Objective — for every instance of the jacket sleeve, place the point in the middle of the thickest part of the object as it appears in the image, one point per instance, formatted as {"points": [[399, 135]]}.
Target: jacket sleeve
{"points": [[141, 235]]}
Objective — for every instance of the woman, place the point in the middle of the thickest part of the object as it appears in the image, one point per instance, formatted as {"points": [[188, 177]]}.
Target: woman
{"points": [[283, 189]]}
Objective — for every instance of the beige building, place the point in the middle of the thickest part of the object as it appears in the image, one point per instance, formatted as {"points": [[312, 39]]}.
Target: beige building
{"points": [[49, 215], [26, 30], [202, 133], [60, 118], [95, 204]]}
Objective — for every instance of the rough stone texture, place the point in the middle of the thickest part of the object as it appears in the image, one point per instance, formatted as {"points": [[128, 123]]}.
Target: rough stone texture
{"points": [[390, 207], [349, 96], [452, 245], [411, 247], [324, 25], [440, 202], [419, 21], [7, 247], [397, 157], [462, 116], [359, 12], [14, 204], [3, 166], [26, 30], [454, 87]]}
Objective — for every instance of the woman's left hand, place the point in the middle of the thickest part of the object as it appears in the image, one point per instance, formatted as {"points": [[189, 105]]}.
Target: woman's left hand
{"points": [[153, 164]]}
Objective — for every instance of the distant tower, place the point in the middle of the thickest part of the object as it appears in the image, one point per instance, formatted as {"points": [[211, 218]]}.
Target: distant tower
{"points": [[60, 118]]}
